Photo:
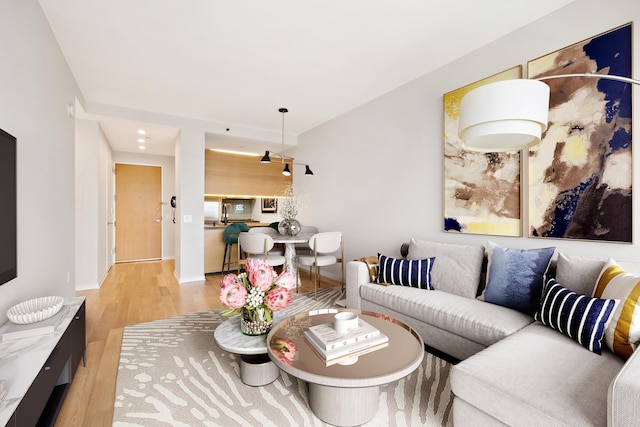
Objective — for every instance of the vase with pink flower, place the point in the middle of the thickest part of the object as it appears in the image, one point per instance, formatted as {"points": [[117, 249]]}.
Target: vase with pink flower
{"points": [[255, 295]]}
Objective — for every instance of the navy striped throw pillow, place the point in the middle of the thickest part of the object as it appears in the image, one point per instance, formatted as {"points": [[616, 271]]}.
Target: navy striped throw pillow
{"points": [[414, 273], [577, 316]]}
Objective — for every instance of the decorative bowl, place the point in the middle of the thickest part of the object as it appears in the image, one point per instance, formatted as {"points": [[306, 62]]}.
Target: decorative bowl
{"points": [[35, 310]]}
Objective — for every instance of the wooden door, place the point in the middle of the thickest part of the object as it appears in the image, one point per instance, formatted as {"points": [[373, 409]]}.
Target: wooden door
{"points": [[138, 212]]}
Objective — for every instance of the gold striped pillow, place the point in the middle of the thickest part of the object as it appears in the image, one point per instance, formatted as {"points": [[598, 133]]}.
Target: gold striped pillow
{"points": [[623, 333]]}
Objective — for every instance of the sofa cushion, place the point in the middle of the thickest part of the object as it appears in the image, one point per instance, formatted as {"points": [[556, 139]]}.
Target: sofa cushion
{"points": [[623, 333], [457, 268], [515, 276], [467, 317], [413, 273], [578, 273], [540, 376], [581, 318]]}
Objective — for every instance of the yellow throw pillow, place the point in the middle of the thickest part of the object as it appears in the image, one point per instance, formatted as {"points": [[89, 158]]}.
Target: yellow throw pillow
{"points": [[623, 333]]}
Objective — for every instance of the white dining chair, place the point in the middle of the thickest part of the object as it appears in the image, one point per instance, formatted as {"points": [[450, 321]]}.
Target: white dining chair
{"points": [[303, 248], [257, 246], [271, 232], [328, 249]]}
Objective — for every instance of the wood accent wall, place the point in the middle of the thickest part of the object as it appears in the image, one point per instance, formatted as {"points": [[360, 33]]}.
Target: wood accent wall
{"points": [[238, 175]]}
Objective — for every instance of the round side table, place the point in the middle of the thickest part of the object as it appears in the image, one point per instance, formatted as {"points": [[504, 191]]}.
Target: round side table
{"points": [[256, 368]]}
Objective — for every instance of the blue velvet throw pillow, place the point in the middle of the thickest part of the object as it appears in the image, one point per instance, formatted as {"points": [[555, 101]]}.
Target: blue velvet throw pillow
{"points": [[414, 273], [516, 276], [582, 318]]}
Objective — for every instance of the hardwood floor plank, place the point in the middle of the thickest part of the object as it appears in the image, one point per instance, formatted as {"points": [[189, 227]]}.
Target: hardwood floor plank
{"points": [[131, 293]]}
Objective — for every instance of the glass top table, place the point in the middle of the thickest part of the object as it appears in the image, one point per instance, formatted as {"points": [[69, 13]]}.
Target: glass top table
{"points": [[346, 394]]}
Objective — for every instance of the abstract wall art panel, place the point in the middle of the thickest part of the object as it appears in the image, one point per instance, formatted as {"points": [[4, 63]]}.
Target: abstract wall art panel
{"points": [[481, 190], [580, 174]]}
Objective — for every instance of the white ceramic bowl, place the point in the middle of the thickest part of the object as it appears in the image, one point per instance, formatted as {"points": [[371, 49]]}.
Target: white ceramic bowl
{"points": [[35, 310]]}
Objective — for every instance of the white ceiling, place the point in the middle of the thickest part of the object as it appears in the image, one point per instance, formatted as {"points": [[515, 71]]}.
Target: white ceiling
{"points": [[235, 62]]}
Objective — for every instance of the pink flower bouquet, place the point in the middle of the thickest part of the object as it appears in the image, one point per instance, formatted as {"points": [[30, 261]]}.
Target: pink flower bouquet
{"points": [[260, 287]]}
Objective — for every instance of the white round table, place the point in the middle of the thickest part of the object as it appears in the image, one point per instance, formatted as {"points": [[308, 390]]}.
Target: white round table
{"points": [[256, 369], [290, 249]]}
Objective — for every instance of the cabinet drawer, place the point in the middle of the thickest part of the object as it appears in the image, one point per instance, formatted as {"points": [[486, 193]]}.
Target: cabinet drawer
{"points": [[78, 328], [34, 401]]}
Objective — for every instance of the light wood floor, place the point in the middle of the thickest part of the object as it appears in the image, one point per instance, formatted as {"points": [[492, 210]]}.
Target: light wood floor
{"points": [[132, 293]]}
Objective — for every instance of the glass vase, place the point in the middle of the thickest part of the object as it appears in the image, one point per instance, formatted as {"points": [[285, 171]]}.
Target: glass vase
{"points": [[256, 321], [289, 227]]}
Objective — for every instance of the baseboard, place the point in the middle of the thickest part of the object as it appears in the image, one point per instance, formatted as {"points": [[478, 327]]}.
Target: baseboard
{"points": [[183, 280], [87, 287]]}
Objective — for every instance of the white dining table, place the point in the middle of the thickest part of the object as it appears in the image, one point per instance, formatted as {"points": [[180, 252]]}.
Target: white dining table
{"points": [[290, 249]]}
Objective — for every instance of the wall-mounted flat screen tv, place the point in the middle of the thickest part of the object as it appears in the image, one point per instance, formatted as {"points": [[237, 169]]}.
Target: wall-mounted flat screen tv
{"points": [[8, 208]]}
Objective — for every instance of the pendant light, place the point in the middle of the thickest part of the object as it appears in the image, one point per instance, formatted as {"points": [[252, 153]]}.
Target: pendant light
{"points": [[286, 160], [285, 171]]}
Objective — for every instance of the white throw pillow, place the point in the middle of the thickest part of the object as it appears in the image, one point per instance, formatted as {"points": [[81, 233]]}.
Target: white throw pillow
{"points": [[457, 267], [578, 273]]}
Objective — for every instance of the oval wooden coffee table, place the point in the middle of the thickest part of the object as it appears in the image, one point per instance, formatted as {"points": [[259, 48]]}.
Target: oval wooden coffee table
{"points": [[347, 395]]}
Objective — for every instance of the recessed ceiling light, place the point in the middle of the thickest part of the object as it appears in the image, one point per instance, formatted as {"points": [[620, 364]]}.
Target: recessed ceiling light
{"points": [[141, 132], [142, 147], [141, 140]]}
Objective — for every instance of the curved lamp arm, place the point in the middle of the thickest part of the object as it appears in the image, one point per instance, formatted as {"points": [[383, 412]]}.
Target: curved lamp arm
{"points": [[592, 75]]}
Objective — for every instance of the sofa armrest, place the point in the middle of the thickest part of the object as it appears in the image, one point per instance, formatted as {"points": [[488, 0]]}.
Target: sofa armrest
{"points": [[624, 395], [357, 274]]}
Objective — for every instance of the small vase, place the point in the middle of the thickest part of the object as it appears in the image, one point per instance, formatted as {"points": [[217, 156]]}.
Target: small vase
{"points": [[256, 321], [289, 227]]}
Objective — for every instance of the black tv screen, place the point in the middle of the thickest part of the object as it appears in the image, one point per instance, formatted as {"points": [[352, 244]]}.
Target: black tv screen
{"points": [[8, 209]]}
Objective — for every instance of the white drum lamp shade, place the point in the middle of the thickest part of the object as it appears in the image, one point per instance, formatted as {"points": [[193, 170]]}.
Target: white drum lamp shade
{"points": [[508, 115]]}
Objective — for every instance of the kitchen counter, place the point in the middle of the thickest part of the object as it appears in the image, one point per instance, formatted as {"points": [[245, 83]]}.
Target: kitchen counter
{"points": [[214, 246], [249, 223]]}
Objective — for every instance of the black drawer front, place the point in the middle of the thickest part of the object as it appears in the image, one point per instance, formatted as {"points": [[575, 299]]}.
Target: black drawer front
{"points": [[36, 398], [78, 327]]}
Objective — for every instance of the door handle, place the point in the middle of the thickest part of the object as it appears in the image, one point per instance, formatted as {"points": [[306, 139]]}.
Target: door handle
{"points": [[158, 219]]}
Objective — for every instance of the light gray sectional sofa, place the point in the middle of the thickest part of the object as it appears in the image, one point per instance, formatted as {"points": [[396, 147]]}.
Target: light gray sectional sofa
{"points": [[513, 370]]}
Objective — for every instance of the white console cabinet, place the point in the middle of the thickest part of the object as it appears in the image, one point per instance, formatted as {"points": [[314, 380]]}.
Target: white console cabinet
{"points": [[38, 370]]}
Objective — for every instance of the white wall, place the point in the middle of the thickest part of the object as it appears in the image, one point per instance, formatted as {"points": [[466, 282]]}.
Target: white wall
{"points": [[190, 198], [106, 213], [167, 164], [86, 202], [37, 86], [378, 168], [93, 193]]}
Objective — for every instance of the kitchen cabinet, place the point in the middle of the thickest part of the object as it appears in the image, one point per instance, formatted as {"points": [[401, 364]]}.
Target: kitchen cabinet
{"points": [[238, 175], [214, 250]]}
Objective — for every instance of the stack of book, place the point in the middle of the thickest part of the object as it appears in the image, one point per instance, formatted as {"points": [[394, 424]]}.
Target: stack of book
{"points": [[11, 331], [334, 347]]}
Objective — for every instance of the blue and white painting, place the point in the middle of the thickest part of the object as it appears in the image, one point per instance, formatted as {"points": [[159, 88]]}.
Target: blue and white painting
{"points": [[580, 175]]}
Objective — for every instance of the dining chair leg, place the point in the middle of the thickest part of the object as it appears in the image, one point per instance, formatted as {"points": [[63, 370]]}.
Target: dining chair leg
{"points": [[224, 257]]}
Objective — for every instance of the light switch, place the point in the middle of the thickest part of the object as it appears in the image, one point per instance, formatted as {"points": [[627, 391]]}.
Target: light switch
{"points": [[188, 218]]}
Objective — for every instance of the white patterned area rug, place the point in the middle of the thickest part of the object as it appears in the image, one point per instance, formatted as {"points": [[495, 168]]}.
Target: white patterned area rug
{"points": [[171, 373]]}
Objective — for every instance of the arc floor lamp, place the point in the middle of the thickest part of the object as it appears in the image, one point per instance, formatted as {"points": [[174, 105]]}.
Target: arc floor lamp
{"points": [[510, 115]]}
